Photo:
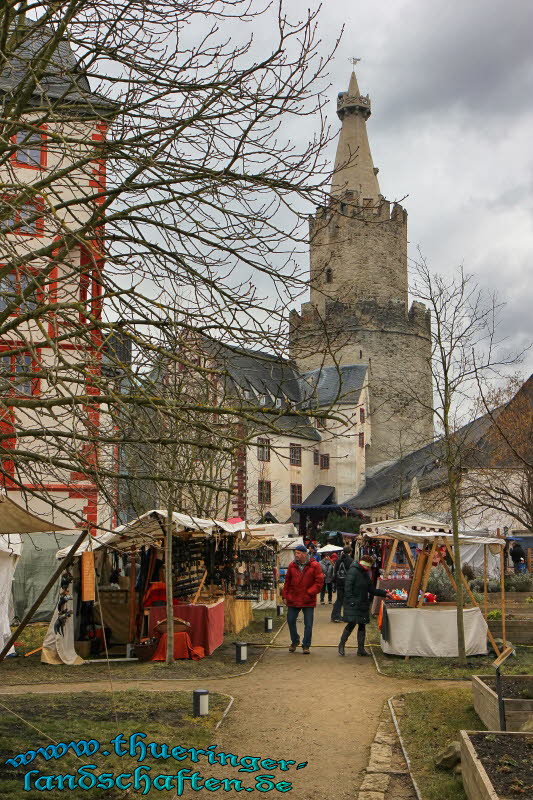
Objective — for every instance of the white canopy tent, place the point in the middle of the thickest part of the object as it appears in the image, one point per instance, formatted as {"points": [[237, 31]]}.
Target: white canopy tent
{"points": [[329, 548]]}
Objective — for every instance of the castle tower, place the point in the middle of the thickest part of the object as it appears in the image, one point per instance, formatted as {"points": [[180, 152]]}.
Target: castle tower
{"points": [[358, 311]]}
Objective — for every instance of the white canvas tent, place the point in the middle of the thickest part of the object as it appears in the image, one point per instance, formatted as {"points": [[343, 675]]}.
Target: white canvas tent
{"points": [[14, 521]]}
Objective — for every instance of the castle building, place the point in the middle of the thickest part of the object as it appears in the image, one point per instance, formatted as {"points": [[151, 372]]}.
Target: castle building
{"points": [[359, 313]]}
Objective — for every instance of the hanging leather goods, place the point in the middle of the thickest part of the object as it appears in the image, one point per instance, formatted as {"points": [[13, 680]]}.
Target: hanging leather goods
{"points": [[87, 577]]}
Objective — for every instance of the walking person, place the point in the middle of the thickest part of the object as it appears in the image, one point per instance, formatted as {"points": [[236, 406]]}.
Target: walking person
{"points": [[340, 571], [303, 582], [327, 570], [358, 591]]}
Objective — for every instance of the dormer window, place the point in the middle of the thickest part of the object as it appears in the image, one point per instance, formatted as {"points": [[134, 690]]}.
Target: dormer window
{"points": [[329, 275], [278, 402]]}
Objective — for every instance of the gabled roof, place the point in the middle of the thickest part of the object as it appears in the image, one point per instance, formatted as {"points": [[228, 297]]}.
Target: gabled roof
{"points": [[63, 79], [426, 465]]}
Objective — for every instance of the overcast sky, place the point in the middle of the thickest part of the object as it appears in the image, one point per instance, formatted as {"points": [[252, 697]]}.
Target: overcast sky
{"points": [[451, 86]]}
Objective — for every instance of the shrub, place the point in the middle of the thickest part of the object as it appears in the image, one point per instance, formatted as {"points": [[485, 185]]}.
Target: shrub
{"points": [[468, 572], [494, 614], [522, 582], [440, 585]]}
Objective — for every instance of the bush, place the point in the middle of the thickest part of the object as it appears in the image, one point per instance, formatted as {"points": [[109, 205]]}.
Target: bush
{"points": [[440, 585], [494, 614], [468, 572], [519, 583]]}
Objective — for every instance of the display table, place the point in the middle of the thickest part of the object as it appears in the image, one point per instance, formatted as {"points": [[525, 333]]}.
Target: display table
{"points": [[207, 622], [183, 648], [431, 631]]}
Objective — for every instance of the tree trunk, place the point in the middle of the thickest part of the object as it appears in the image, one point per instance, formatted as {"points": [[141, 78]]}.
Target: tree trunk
{"points": [[457, 559], [168, 583]]}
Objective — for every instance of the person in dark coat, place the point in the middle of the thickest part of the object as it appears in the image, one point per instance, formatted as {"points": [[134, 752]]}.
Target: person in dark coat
{"points": [[518, 555], [303, 582], [358, 592], [341, 568]]}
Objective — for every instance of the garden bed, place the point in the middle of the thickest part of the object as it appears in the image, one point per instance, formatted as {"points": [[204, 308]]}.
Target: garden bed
{"points": [[497, 766], [517, 698]]}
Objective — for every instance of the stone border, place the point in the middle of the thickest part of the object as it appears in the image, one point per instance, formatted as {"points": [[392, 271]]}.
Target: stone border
{"points": [[385, 761]]}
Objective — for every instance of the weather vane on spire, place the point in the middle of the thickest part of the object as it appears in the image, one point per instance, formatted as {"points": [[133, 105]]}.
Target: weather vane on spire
{"points": [[354, 61]]}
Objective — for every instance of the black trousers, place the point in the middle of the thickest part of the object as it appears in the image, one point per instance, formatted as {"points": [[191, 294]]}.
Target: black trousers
{"points": [[361, 632], [339, 601]]}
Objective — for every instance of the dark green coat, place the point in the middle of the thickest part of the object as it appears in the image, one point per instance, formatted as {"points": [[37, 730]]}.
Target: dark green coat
{"points": [[358, 594]]}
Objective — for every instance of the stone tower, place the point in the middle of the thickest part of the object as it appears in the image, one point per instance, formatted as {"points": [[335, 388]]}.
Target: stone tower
{"points": [[358, 312]]}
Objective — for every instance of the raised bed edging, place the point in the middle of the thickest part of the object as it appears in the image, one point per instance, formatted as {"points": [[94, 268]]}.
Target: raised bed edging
{"points": [[517, 631], [517, 711], [477, 783]]}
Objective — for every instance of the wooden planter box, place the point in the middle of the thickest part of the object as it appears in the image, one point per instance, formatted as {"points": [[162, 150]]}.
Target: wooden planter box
{"points": [[477, 783], [517, 631], [517, 711]]}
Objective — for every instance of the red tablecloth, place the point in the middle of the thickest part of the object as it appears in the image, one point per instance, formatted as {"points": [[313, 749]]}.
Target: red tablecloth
{"points": [[207, 622], [182, 648]]}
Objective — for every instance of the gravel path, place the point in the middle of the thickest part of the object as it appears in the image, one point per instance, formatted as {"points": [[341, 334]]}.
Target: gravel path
{"points": [[320, 709]]}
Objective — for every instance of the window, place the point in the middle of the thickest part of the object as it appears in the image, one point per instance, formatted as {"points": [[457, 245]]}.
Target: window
{"points": [[361, 440], [263, 449], [321, 422], [16, 372], [13, 286], [278, 402], [324, 461], [264, 492], [25, 218], [296, 494], [295, 455], [329, 275], [31, 149], [316, 458], [362, 414]]}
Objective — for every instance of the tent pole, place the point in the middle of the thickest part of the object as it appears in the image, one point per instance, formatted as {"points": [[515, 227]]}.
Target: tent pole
{"points": [[427, 569], [485, 579], [502, 592], [61, 568], [132, 596]]}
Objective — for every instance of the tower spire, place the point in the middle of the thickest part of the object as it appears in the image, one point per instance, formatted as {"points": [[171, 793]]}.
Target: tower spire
{"points": [[354, 168]]}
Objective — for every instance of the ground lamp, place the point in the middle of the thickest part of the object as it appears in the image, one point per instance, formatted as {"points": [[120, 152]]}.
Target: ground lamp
{"points": [[241, 652], [200, 703], [268, 624], [280, 610]]}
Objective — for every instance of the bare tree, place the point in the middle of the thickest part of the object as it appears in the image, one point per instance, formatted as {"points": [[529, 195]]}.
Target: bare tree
{"points": [[465, 350], [501, 474], [149, 182]]}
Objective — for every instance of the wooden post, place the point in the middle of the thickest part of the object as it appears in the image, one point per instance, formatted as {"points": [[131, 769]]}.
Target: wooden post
{"points": [[502, 591], [474, 601], [132, 595], [485, 579], [409, 555], [390, 558], [427, 570], [27, 619], [449, 573], [529, 560]]}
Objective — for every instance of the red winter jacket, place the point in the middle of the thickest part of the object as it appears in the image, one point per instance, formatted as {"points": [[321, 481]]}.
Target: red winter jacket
{"points": [[302, 586]]}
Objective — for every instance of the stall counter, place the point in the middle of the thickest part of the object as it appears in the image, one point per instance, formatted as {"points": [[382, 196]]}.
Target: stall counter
{"points": [[431, 631], [207, 622]]}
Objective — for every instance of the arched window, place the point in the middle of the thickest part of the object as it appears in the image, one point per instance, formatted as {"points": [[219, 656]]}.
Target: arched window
{"points": [[329, 275]]}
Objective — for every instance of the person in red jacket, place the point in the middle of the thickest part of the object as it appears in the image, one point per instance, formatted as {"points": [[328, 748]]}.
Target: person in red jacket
{"points": [[303, 582]]}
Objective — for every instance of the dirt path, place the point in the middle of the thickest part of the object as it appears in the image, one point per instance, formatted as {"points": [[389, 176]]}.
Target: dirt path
{"points": [[320, 708]]}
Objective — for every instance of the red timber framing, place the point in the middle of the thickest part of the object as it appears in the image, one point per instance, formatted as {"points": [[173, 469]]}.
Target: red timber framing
{"points": [[90, 291]]}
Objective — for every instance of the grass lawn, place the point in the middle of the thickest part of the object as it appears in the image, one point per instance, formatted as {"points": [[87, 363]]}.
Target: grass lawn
{"points": [[446, 668], [431, 721], [165, 717], [16, 671]]}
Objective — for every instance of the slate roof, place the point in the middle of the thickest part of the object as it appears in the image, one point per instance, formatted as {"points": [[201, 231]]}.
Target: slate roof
{"points": [[333, 385], [426, 465], [63, 79]]}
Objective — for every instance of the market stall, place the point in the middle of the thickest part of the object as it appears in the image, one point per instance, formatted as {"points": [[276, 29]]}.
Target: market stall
{"points": [[416, 625], [217, 569]]}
